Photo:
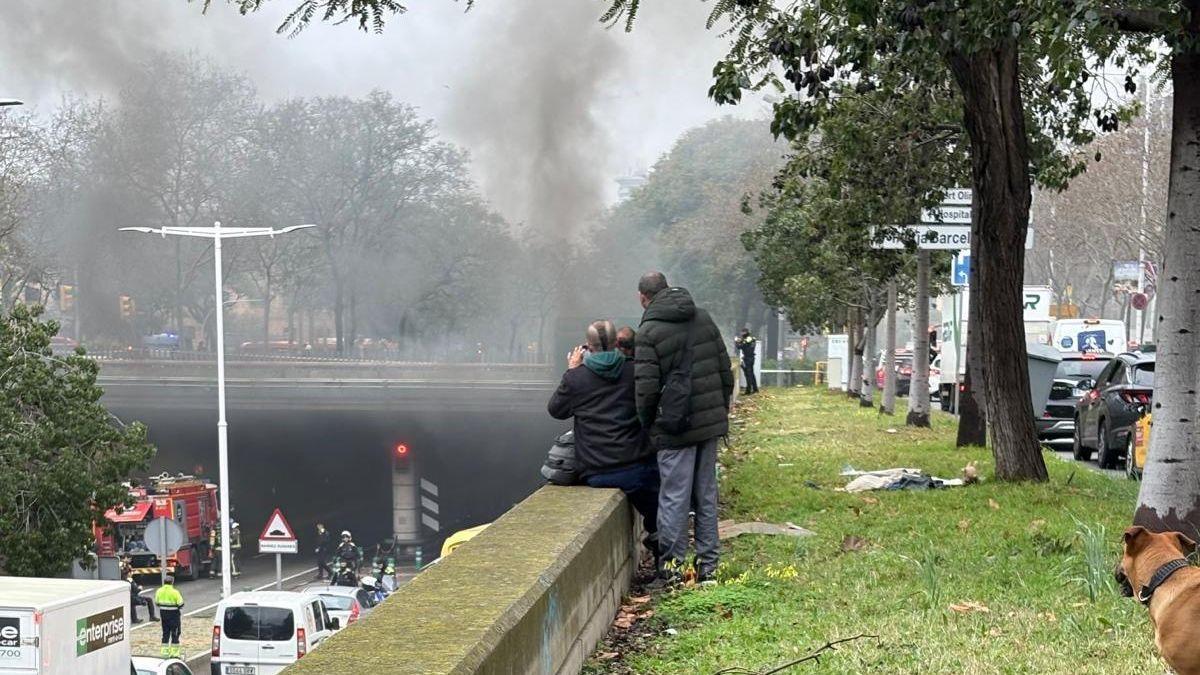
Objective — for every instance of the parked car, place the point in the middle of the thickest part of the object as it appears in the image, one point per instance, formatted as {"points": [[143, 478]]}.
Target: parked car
{"points": [[263, 632], [904, 368], [149, 665], [347, 604], [1057, 423], [1111, 405]]}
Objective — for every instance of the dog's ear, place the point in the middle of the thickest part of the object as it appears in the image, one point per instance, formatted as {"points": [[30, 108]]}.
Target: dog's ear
{"points": [[1133, 533], [1186, 545]]}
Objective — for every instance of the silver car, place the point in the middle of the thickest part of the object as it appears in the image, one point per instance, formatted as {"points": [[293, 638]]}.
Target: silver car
{"points": [[346, 603]]}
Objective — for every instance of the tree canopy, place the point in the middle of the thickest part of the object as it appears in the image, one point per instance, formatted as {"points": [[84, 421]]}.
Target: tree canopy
{"points": [[64, 458]]}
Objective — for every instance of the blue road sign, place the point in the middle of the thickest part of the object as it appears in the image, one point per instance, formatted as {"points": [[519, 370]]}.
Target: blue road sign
{"points": [[960, 273]]}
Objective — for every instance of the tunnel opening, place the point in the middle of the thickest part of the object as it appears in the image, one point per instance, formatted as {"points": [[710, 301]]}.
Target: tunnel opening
{"points": [[334, 464]]}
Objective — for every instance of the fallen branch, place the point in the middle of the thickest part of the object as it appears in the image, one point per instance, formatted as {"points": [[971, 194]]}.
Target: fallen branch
{"points": [[814, 656]]}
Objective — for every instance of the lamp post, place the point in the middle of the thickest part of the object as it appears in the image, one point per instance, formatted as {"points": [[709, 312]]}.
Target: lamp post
{"points": [[10, 101], [216, 233]]}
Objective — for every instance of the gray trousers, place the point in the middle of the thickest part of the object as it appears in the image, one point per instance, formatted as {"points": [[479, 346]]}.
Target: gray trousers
{"points": [[689, 483]]}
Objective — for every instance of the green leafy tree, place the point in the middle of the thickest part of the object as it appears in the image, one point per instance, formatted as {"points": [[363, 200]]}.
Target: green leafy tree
{"points": [[62, 455]]}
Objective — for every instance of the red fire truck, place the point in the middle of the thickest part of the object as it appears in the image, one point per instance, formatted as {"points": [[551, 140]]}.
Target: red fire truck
{"points": [[188, 500]]}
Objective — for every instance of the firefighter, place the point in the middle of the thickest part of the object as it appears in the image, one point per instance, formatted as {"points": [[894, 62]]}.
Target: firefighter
{"points": [[235, 545], [170, 606]]}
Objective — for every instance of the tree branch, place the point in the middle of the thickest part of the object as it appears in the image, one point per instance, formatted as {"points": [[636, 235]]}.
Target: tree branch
{"points": [[1151, 21]]}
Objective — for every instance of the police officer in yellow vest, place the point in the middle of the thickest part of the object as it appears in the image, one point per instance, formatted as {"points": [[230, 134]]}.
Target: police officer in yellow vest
{"points": [[170, 606]]}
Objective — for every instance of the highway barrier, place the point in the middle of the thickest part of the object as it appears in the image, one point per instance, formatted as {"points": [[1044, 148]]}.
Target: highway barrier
{"points": [[533, 593]]}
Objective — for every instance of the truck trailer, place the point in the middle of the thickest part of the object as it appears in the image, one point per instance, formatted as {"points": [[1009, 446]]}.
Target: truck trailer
{"points": [[63, 626]]}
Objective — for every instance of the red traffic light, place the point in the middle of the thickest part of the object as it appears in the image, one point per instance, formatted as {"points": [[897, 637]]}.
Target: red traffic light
{"points": [[401, 450]]}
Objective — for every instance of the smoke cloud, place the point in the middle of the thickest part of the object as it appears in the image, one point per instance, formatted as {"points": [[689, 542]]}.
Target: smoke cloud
{"points": [[526, 105]]}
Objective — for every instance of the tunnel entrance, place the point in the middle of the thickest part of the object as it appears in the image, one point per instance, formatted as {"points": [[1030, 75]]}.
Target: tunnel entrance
{"points": [[334, 464]]}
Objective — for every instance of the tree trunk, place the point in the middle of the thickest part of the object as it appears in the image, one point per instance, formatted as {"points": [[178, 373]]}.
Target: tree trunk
{"points": [[267, 313], [994, 116], [888, 407], [177, 310], [918, 394], [339, 312], [352, 333], [867, 400], [1170, 494], [856, 353]]}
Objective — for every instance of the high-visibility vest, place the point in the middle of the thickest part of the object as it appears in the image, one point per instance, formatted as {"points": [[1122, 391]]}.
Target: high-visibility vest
{"points": [[167, 598]]}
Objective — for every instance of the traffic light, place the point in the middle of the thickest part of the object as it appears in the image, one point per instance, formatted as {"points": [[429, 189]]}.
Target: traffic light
{"points": [[66, 298], [402, 458], [127, 308]]}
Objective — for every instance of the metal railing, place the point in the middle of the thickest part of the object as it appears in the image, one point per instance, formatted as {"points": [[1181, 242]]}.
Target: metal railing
{"points": [[793, 377], [364, 356]]}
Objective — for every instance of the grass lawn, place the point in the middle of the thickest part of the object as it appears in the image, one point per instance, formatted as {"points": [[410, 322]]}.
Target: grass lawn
{"points": [[987, 578]]}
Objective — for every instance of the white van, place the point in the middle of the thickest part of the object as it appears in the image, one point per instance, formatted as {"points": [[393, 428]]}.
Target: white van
{"points": [[1090, 335], [263, 632]]}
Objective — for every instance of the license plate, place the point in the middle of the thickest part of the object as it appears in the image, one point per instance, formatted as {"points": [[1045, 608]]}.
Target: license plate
{"points": [[240, 670]]}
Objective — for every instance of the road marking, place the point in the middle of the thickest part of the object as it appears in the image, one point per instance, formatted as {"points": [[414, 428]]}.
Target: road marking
{"points": [[208, 607], [260, 588]]}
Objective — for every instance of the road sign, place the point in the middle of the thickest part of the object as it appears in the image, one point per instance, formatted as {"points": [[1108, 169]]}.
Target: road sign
{"points": [[935, 237], [1126, 270], [162, 530], [277, 536], [957, 197], [960, 272], [163, 536], [947, 213]]}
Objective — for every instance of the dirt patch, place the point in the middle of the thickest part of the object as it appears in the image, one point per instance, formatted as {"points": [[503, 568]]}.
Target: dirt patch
{"points": [[632, 630], [195, 637]]}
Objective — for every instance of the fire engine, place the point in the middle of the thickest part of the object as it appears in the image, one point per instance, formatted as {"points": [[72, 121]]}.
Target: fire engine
{"points": [[188, 500]]}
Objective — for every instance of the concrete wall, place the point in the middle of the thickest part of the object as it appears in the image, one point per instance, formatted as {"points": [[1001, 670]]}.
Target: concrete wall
{"points": [[532, 594]]}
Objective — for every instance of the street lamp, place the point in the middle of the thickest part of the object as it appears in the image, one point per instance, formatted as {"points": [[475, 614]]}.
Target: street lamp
{"points": [[216, 233], [10, 101]]}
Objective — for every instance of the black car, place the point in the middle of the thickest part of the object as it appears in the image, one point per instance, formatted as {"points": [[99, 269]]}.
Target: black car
{"points": [[1111, 405], [1057, 423]]}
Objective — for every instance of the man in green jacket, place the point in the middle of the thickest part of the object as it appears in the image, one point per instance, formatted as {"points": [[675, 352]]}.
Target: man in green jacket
{"points": [[687, 459], [170, 606]]}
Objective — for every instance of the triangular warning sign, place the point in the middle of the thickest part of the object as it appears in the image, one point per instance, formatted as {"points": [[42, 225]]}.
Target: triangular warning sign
{"points": [[277, 529]]}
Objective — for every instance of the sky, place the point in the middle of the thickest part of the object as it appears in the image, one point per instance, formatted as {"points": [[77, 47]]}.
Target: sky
{"points": [[546, 99]]}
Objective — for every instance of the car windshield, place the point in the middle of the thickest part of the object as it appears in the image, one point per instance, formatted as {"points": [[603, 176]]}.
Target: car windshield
{"points": [[259, 623], [1143, 374], [337, 603], [1080, 369]]}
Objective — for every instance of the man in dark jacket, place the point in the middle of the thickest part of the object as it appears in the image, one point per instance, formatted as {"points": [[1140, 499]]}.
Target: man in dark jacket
{"points": [[687, 460], [746, 344], [324, 552], [610, 444]]}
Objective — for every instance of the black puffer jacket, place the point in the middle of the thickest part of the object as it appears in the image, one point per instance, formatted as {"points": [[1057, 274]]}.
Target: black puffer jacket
{"points": [[659, 346]]}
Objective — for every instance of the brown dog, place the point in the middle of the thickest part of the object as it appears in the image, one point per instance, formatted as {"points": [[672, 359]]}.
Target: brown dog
{"points": [[1155, 570]]}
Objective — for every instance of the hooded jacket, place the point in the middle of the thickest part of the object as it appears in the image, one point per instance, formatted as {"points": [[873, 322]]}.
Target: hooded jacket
{"points": [[599, 395], [659, 346]]}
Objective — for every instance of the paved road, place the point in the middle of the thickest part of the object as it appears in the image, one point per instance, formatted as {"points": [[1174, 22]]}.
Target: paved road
{"points": [[1066, 456], [258, 573]]}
